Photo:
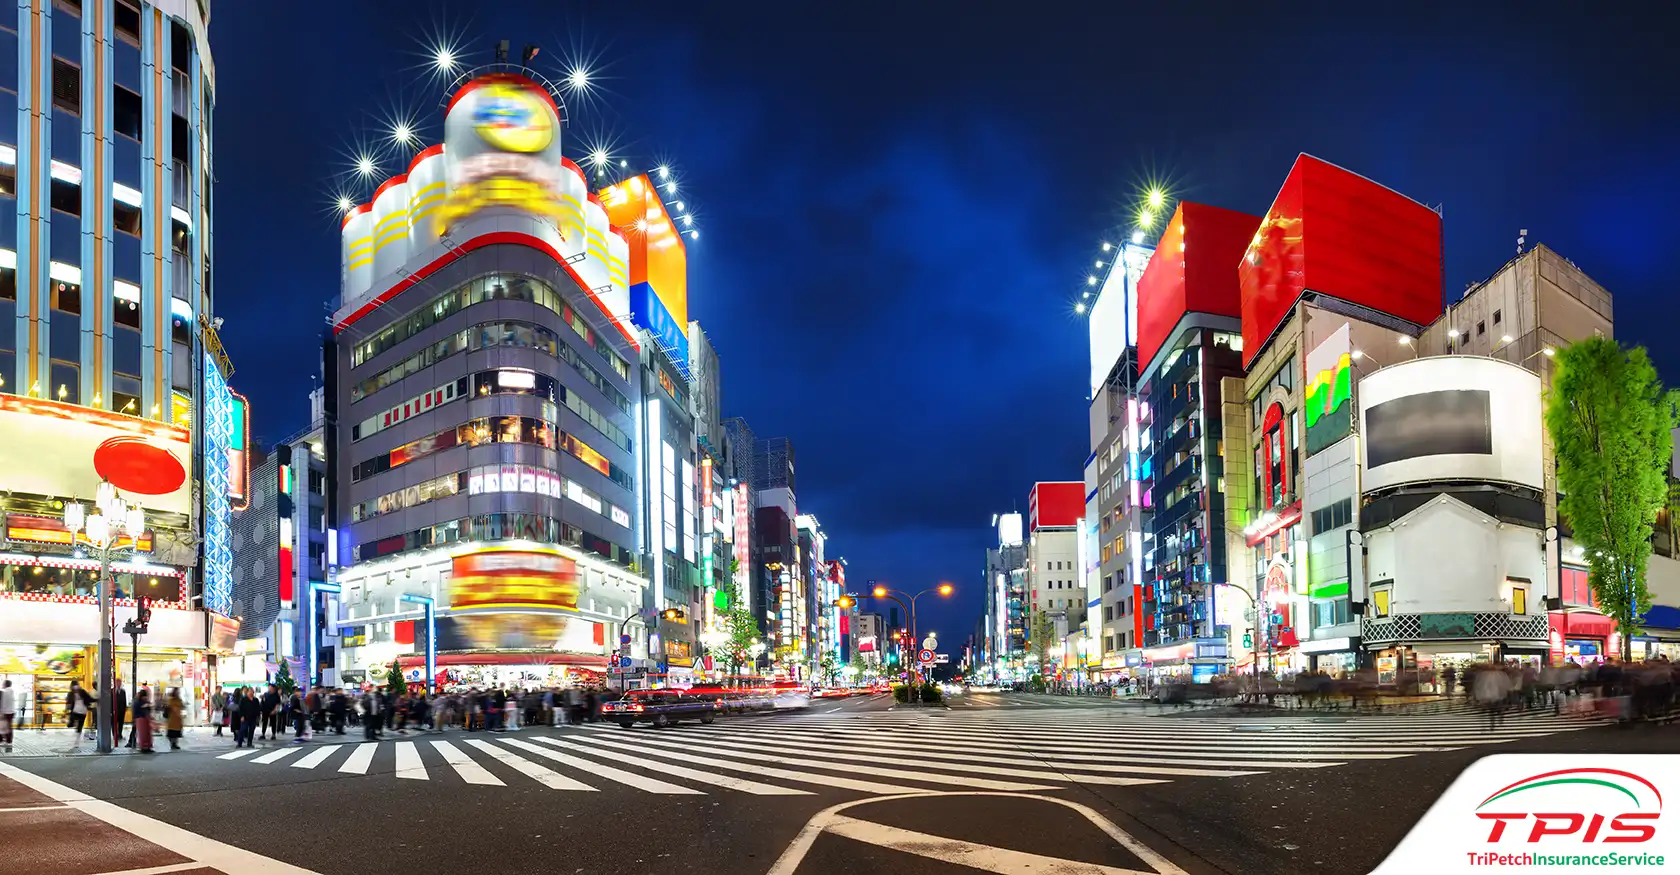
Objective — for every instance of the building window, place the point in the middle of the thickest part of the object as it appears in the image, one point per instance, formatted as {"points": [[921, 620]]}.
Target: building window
{"points": [[1481, 328], [8, 284], [8, 180], [67, 297], [1519, 600], [126, 313], [126, 218], [126, 111], [1496, 314], [66, 86], [66, 382], [127, 21], [66, 197]]}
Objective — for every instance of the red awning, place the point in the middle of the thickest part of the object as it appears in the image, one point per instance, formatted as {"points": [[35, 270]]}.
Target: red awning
{"points": [[1582, 624]]}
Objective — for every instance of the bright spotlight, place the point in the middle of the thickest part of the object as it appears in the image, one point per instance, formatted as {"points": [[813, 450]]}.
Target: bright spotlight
{"points": [[1146, 218], [687, 221], [624, 162], [641, 225], [365, 166], [1137, 236], [1090, 281], [1079, 308], [664, 172], [1107, 246], [402, 133], [694, 234], [577, 79], [1157, 198], [671, 187], [598, 157], [443, 60], [345, 204], [679, 206]]}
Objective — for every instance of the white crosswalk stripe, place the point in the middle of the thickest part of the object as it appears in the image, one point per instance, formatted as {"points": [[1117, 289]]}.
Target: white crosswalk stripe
{"points": [[895, 752]]}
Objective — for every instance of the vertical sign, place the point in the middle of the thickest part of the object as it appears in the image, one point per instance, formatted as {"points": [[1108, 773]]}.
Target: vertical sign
{"points": [[743, 563]]}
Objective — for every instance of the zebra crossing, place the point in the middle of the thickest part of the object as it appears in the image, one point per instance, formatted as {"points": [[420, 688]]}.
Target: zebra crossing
{"points": [[894, 752]]}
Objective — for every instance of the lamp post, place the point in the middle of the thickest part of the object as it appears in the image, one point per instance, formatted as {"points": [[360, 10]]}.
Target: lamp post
{"points": [[1254, 602], [881, 592], [109, 521]]}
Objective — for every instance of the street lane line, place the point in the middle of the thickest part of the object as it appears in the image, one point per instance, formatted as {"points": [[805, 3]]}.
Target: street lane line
{"points": [[236, 754], [850, 766], [651, 785], [542, 775], [408, 762], [315, 757], [930, 758], [986, 858], [31, 808], [275, 755], [465, 766], [1099, 750], [773, 772], [158, 870], [360, 758], [724, 781], [208, 852]]}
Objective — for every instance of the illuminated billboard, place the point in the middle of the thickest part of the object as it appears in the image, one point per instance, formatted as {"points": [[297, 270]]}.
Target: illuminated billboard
{"points": [[1113, 319], [239, 462], [513, 580], [648, 311], [219, 424], [57, 449], [1461, 418], [1329, 390], [501, 148], [657, 255]]}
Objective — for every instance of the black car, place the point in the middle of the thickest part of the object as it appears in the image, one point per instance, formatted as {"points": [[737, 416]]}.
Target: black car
{"points": [[660, 707]]}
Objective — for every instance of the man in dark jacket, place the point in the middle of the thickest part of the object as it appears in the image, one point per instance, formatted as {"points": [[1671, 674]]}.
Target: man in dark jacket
{"points": [[250, 711], [271, 713]]}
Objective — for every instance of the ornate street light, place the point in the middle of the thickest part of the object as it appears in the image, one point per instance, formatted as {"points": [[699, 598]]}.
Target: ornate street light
{"points": [[110, 520]]}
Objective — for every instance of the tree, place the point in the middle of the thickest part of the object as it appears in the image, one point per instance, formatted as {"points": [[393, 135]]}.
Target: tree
{"points": [[1043, 637], [283, 678], [827, 667], [738, 625], [1610, 421], [394, 683]]}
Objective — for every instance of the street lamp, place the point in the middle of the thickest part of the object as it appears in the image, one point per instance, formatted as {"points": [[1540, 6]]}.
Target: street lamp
{"points": [[1254, 654], [1359, 355], [881, 592], [110, 520]]}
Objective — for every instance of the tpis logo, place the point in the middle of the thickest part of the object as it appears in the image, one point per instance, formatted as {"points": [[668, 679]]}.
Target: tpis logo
{"points": [[1584, 805]]}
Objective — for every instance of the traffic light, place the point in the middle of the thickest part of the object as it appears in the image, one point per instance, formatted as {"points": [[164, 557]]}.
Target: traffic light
{"points": [[845, 601], [673, 614]]}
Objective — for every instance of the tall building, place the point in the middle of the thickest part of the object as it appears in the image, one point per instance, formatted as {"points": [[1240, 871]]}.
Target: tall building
{"points": [[504, 404], [1116, 507], [1189, 340], [1008, 605], [1054, 510], [775, 465], [706, 385], [110, 368]]}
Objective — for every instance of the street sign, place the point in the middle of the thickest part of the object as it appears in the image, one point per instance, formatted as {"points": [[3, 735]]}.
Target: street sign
{"points": [[624, 640], [925, 656], [930, 642], [942, 659]]}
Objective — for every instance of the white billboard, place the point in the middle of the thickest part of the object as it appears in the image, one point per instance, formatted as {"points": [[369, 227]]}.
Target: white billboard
{"points": [[1010, 530], [1450, 418], [1113, 318], [59, 449]]}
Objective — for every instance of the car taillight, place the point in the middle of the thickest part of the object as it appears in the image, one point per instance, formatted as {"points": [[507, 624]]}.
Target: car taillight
{"points": [[635, 707]]}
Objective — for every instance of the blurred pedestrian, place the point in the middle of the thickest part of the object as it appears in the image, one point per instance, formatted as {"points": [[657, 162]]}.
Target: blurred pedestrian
{"points": [[218, 709], [1492, 689], [143, 720], [76, 705], [174, 717], [8, 714]]}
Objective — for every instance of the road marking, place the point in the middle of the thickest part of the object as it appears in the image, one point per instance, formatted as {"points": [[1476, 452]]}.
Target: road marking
{"points": [[850, 766], [360, 758], [724, 781], [207, 852], [315, 757], [275, 755], [465, 766], [236, 754], [962, 764], [785, 774], [544, 776], [31, 808], [977, 856], [408, 762], [651, 785], [158, 870], [832, 710]]}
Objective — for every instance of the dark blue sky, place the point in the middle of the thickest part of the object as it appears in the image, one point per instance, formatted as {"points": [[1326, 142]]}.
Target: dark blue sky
{"points": [[898, 202]]}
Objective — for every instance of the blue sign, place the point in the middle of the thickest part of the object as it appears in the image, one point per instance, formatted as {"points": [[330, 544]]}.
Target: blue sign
{"points": [[648, 312]]}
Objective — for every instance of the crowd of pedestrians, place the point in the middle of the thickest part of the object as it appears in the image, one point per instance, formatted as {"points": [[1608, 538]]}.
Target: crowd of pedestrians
{"points": [[1612, 688]]}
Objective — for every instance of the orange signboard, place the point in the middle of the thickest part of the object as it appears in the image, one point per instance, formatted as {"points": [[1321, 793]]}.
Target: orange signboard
{"points": [[657, 254]]}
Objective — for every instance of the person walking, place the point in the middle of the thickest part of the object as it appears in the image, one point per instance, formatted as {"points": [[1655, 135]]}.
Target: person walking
{"points": [[143, 720], [250, 713], [1492, 690], [174, 717], [119, 713], [76, 704], [218, 709], [271, 713], [370, 716], [235, 721], [8, 714]]}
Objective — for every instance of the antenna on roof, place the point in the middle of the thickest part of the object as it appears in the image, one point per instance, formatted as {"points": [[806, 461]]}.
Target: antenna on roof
{"points": [[1522, 235]]}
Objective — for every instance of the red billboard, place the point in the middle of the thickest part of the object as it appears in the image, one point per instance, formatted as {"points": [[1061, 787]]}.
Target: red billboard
{"points": [[1056, 504], [1191, 272], [1369, 245]]}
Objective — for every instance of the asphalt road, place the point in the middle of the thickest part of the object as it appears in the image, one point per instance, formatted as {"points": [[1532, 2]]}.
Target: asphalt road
{"points": [[1003, 783]]}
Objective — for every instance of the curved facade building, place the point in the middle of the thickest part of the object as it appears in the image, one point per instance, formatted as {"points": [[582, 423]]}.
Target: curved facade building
{"points": [[486, 397], [105, 298]]}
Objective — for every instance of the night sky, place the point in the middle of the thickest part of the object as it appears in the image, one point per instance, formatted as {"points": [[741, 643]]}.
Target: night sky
{"points": [[899, 202]]}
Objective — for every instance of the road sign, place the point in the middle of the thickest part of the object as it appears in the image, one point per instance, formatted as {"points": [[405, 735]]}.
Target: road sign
{"points": [[624, 640], [925, 656], [930, 642], [706, 663], [942, 659]]}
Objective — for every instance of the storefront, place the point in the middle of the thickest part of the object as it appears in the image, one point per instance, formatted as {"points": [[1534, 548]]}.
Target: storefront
{"points": [[1582, 637], [520, 671], [1337, 657]]}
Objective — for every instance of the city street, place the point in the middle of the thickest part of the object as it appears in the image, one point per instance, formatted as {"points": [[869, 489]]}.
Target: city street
{"points": [[998, 781]]}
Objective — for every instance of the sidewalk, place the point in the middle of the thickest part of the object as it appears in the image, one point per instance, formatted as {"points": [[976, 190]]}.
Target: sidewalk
{"points": [[58, 742]]}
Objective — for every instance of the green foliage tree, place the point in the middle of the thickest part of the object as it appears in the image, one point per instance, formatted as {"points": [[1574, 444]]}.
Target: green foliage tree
{"points": [[738, 624], [1043, 636], [394, 683], [827, 666], [283, 678], [1610, 421]]}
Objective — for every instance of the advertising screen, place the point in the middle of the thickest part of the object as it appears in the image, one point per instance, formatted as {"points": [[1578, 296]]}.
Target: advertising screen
{"points": [[1329, 391], [501, 149], [658, 257], [1460, 418], [53, 449], [513, 579]]}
